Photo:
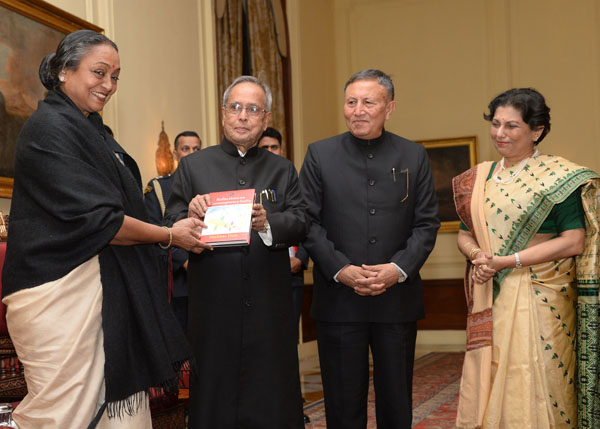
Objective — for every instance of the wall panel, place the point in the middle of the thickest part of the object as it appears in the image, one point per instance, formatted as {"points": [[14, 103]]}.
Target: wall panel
{"points": [[555, 50], [448, 59]]}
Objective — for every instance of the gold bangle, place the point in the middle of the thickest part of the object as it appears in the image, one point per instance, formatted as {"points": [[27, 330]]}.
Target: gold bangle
{"points": [[162, 246], [474, 252]]}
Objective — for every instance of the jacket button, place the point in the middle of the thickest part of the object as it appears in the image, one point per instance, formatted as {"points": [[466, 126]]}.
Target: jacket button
{"points": [[243, 161], [242, 182], [372, 211], [248, 303], [372, 240], [370, 156], [371, 182]]}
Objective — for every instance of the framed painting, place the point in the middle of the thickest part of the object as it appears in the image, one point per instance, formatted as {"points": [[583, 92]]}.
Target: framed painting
{"points": [[449, 158], [29, 30]]}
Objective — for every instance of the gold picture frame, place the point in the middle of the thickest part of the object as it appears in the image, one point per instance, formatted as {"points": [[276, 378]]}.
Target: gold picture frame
{"points": [[29, 29], [449, 157]]}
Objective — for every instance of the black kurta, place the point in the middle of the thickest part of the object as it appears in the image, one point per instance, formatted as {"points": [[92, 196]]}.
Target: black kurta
{"points": [[240, 306]]}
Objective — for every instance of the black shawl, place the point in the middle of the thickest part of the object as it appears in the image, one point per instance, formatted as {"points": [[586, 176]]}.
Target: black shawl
{"points": [[70, 196]]}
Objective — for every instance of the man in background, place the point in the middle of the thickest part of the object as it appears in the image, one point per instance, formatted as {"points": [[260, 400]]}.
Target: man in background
{"points": [[371, 200], [272, 141], [156, 195]]}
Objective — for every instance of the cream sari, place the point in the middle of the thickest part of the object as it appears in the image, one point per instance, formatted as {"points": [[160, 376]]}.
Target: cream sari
{"points": [[64, 367], [524, 374]]}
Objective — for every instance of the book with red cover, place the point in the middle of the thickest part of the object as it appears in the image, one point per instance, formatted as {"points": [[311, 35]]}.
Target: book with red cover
{"points": [[229, 218]]}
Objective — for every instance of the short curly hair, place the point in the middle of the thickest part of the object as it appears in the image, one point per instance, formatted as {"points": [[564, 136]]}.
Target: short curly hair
{"points": [[532, 105]]}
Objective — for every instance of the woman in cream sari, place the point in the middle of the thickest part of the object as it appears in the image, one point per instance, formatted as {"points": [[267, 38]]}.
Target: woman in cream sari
{"points": [[525, 220]]}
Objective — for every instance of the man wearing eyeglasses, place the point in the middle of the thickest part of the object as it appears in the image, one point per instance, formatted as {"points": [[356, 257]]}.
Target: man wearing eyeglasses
{"points": [[240, 321], [371, 199]]}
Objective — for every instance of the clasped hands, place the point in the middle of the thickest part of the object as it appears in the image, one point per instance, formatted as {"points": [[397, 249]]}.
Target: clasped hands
{"points": [[485, 265], [199, 204], [369, 280]]}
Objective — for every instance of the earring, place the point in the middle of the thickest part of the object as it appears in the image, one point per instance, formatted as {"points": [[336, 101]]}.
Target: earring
{"points": [[62, 78]]}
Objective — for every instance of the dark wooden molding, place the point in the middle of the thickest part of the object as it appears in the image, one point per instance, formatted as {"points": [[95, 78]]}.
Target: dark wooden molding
{"points": [[309, 327], [445, 307]]}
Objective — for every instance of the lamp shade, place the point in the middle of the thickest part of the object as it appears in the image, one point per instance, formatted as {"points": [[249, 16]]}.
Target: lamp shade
{"points": [[164, 156]]}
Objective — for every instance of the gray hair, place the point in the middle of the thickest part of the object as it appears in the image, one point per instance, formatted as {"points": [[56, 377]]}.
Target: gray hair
{"points": [[382, 79], [69, 54], [251, 79]]}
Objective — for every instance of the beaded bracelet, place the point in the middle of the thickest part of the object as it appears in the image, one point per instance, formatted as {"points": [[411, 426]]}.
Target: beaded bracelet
{"points": [[162, 246]]}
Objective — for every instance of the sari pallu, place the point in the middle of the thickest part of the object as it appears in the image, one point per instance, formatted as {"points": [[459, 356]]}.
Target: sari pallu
{"points": [[533, 371]]}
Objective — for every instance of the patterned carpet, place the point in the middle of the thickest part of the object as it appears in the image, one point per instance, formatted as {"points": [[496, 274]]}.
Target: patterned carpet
{"points": [[435, 394]]}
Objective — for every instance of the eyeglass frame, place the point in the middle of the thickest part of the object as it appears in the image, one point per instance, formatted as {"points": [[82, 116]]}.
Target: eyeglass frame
{"points": [[248, 112]]}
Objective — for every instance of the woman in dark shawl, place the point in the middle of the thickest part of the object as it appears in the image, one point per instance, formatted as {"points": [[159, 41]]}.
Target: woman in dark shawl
{"points": [[81, 279]]}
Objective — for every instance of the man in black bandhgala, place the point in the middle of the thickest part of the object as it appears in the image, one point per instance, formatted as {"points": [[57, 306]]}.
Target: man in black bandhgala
{"points": [[370, 195], [240, 322]]}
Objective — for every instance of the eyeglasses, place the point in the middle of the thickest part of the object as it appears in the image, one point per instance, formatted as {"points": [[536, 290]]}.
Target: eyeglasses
{"points": [[253, 110]]}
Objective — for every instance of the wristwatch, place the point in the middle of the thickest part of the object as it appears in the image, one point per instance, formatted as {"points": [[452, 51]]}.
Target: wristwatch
{"points": [[401, 276], [518, 263], [266, 226]]}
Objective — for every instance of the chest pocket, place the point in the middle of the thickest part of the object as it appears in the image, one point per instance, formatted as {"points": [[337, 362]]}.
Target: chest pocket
{"points": [[269, 199], [401, 181]]}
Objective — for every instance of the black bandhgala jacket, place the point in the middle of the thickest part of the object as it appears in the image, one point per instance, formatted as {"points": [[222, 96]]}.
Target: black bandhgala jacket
{"points": [[240, 321]]}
